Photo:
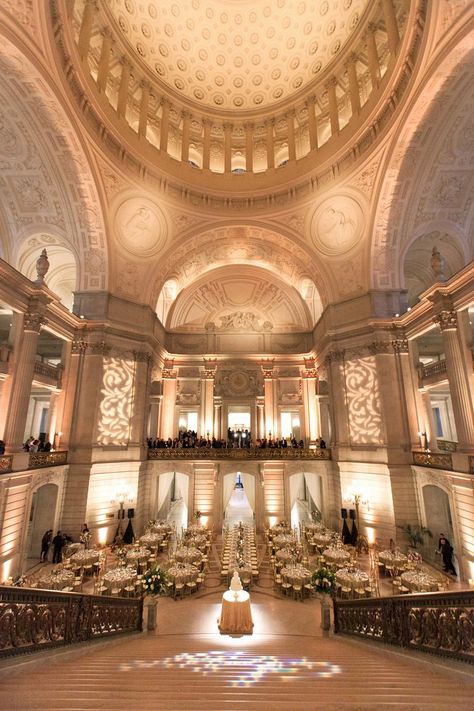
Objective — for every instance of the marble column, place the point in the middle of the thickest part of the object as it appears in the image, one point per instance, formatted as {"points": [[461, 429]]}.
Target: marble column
{"points": [[123, 88], [87, 25], [51, 420], [185, 136], [170, 386], [372, 55], [312, 123], [207, 400], [337, 395], [249, 127], [71, 386], [217, 417], [270, 144], [228, 147], [333, 108], [141, 394], [290, 124], [391, 26], [354, 94], [24, 366], [459, 383], [144, 102], [206, 144], [310, 405], [270, 424], [409, 385], [164, 125], [104, 61], [429, 425], [261, 418]]}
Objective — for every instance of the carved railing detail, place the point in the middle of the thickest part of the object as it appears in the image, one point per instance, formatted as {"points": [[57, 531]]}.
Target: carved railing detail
{"points": [[31, 620], [435, 460], [439, 623], [6, 461], [52, 373], [47, 459], [247, 454], [446, 445]]}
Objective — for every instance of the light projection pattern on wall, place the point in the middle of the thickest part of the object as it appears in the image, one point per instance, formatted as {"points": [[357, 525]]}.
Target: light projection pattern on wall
{"points": [[363, 401], [115, 408], [246, 669]]}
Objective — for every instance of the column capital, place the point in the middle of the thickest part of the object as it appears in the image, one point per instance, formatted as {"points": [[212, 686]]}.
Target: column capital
{"points": [[377, 347], [106, 33], [400, 344], [145, 84], [331, 82], [249, 126], [447, 320], [169, 374], [185, 114], [310, 101], [33, 320], [99, 348], [206, 122], [79, 346], [371, 28], [335, 356], [228, 127]]}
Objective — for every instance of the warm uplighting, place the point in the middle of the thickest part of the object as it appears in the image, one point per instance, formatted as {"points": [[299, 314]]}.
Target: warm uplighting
{"points": [[204, 521], [423, 440], [370, 533], [6, 569], [102, 535]]}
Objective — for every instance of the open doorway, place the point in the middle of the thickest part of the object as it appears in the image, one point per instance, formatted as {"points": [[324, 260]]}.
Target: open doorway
{"points": [[239, 431], [438, 520], [42, 518], [239, 498], [172, 498], [305, 497]]}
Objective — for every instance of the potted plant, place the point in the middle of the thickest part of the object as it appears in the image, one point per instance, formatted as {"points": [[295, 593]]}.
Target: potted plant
{"points": [[153, 585], [416, 534]]}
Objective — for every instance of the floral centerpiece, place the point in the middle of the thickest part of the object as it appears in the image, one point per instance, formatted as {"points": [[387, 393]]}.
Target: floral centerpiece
{"points": [[154, 581], [85, 538], [323, 580], [197, 515]]}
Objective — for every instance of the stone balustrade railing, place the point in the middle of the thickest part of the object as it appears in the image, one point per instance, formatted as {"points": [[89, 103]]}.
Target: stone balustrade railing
{"points": [[446, 445], [50, 372], [433, 371], [438, 623], [337, 100], [240, 454], [38, 460], [434, 460], [32, 620]]}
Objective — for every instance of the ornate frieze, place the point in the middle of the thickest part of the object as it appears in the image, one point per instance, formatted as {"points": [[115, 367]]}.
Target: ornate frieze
{"points": [[335, 356], [378, 347], [79, 346], [100, 348]]}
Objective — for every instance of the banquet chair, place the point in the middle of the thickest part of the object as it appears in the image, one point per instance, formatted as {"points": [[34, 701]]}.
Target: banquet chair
{"points": [[169, 587], [246, 580], [297, 590], [285, 587], [77, 584], [179, 590], [191, 586], [308, 589], [345, 592]]}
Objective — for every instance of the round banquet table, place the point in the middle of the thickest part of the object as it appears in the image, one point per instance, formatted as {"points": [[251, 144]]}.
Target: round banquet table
{"points": [[236, 615], [72, 548], [285, 555], [394, 559], [284, 539], [418, 581], [183, 573], [57, 581], [352, 579], [137, 555], [321, 539], [85, 557], [188, 555], [195, 541], [152, 539], [295, 574], [336, 555], [314, 527], [119, 578], [160, 527]]}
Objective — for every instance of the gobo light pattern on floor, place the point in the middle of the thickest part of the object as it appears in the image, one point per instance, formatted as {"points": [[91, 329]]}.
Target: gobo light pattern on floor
{"points": [[249, 668]]}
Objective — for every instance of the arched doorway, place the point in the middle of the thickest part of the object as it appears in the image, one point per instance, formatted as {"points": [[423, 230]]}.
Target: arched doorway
{"points": [[438, 519], [239, 498], [305, 497], [172, 498], [42, 518]]}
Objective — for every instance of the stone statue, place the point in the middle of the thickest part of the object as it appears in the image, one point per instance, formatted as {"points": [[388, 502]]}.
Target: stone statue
{"points": [[437, 264], [42, 266]]}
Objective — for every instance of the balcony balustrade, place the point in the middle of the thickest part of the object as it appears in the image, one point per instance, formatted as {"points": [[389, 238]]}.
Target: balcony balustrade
{"points": [[240, 454]]}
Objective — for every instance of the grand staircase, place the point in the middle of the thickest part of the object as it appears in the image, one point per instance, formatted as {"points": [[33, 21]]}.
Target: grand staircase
{"points": [[287, 664]]}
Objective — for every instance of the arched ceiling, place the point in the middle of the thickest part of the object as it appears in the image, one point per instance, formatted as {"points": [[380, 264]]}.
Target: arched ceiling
{"points": [[46, 186], [248, 299], [429, 183], [244, 246], [234, 55]]}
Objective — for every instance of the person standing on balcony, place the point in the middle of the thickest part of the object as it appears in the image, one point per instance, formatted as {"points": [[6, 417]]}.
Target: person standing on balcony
{"points": [[447, 553], [45, 544], [58, 543]]}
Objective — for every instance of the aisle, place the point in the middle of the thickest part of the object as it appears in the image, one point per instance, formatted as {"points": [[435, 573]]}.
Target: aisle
{"points": [[287, 665], [238, 509]]}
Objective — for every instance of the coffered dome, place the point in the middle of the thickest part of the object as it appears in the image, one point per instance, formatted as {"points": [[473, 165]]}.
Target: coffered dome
{"points": [[237, 55]]}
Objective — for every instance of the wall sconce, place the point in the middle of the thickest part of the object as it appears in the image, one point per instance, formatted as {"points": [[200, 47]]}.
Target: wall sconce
{"points": [[356, 499]]}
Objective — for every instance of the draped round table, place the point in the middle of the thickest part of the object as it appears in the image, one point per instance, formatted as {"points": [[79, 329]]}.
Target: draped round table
{"points": [[57, 580], [417, 581], [336, 556], [236, 615]]}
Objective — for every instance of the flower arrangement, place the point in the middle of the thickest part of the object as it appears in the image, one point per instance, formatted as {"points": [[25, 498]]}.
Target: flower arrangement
{"points": [[154, 581], [197, 515], [323, 580], [85, 538], [18, 581]]}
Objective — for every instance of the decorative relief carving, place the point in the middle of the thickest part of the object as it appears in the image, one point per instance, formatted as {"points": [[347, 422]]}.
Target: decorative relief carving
{"points": [[337, 225], [237, 383], [99, 348], [334, 356], [447, 320], [142, 357], [380, 347], [363, 401], [79, 346], [32, 321], [240, 321], [140, 226], [115, 409], [400, 344]]}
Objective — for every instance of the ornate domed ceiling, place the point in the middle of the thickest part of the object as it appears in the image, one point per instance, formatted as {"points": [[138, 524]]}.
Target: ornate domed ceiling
{"points": [[232, 55]]}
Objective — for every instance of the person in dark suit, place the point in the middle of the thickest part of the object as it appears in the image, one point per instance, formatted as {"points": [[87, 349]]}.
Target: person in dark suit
{"points": [[45, 544], [58, 543], [447, 554]]}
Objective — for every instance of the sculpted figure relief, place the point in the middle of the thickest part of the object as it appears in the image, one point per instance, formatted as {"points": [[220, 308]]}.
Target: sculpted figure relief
{"points": [[337, 224]]}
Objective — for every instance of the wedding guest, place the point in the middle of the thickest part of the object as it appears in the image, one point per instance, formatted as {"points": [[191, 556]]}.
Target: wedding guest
{"points": [[2, 446], [58, 544], [45, 544], [447, 553]]}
